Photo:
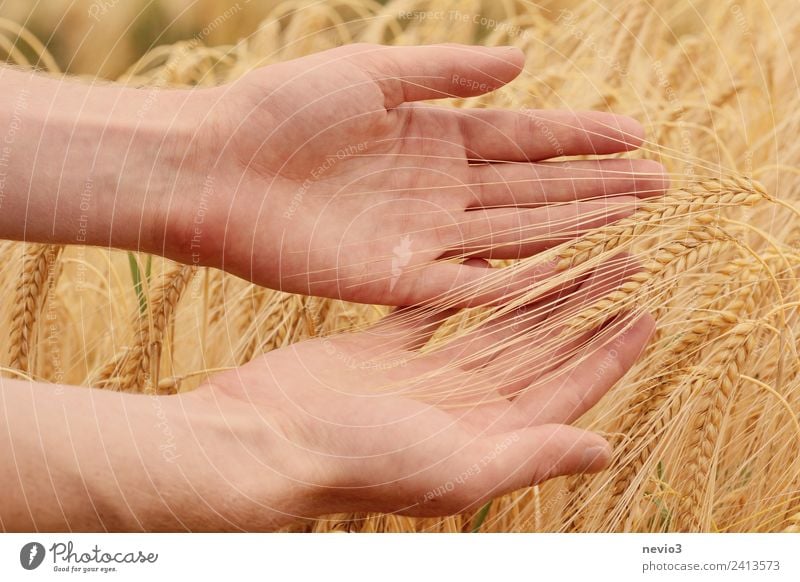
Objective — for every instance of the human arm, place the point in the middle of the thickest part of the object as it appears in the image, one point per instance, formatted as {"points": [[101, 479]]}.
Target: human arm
{"points": [[322, 175], [81, 459], [350, 423], [90, 163]]}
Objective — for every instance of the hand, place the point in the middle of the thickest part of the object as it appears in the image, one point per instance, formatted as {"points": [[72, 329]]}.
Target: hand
{"points": [[320, 175], [365, 422], [323, 176], [357, 422]]}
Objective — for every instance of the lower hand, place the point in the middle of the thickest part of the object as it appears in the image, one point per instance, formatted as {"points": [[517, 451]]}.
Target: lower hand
{"points": [[365, 422]]}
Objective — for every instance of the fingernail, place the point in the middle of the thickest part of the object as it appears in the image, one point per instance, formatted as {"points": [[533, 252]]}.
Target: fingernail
{"points": [[594, 458]]}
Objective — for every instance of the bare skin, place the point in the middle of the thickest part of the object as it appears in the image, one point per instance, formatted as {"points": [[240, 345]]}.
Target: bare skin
{"points": [[368, 191], [324, 426], [248, 177], [212, 177]]}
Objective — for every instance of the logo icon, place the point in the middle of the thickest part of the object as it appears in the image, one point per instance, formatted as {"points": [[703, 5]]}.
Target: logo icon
{"points": [[31, 555], [402, 256]]}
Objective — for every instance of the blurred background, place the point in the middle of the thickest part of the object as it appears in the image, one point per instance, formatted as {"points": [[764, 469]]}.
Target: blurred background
{"points": [[105, 37]]}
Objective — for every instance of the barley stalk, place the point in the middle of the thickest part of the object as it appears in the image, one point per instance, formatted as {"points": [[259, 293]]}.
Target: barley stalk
{"points": [[704, 198], [137, 368], [39, 270], [716, 390]]}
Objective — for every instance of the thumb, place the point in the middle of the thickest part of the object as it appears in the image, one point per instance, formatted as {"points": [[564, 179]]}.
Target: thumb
{"points": [[414, 73], [529, 456]]}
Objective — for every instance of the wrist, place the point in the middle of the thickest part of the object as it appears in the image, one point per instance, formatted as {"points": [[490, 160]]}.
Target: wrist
{"points": [[146, 163], [251, 474], [97, 164]]}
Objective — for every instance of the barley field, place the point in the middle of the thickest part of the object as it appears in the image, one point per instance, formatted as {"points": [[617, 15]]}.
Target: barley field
{"points": [[705, 427]]}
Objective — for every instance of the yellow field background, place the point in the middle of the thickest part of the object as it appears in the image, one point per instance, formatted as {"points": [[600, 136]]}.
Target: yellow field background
{"points": [[705, 427]]}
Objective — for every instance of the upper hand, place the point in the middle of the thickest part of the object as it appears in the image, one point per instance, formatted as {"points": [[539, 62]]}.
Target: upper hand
{"points": [[324, 176]]}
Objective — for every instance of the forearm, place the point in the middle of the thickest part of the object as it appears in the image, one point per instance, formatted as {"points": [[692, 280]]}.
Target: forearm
{"points": [[77, 459], [92, 164]]}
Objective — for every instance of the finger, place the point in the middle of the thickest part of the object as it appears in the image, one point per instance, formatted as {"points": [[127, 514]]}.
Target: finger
{"points": [[464, 285], [407, 328], [498, 464], [585, 379], [476, 348], [502, 185], [414, 73], [545, 346], [410, 328], [512, 233], [534, 135], [595, 285], [605, 278]]}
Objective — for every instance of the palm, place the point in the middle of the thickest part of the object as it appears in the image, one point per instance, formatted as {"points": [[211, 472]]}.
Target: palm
{"points": [[346, 190], [395, 426]]}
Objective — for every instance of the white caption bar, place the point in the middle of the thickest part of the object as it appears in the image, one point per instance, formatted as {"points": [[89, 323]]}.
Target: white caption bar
{"points": [[402, 557]]}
